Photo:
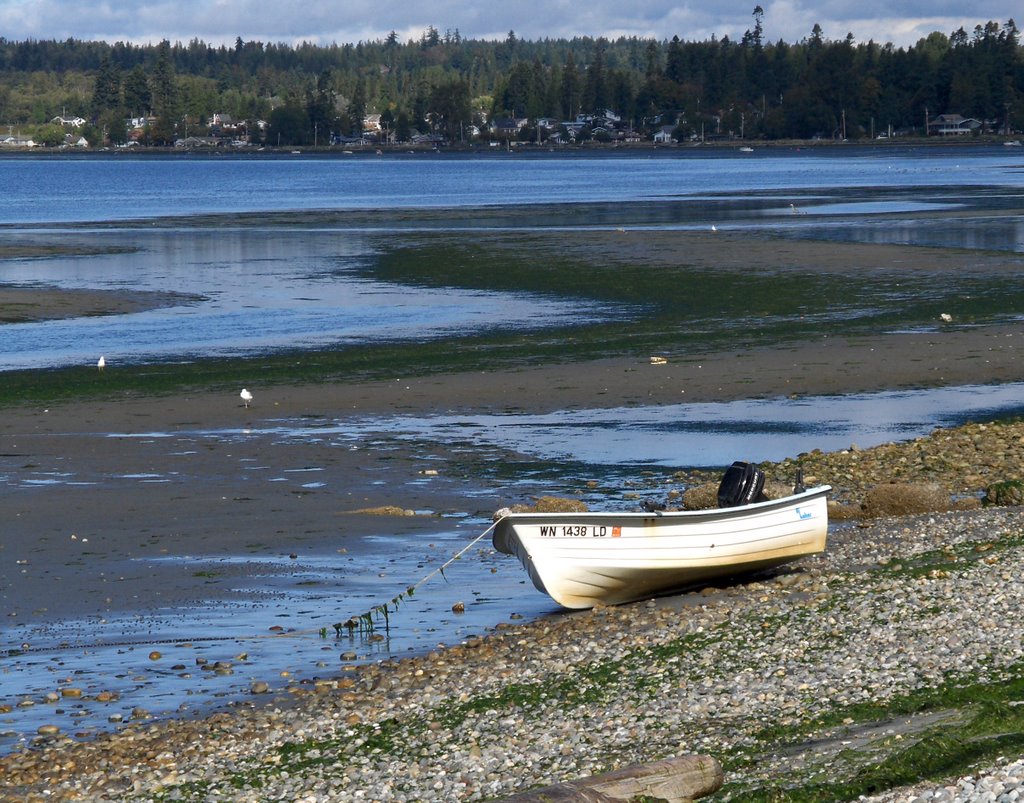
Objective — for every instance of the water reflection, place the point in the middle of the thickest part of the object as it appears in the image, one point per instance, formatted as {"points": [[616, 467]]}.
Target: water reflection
{"points": [[690, 435], [261, 290], [284, 260]]}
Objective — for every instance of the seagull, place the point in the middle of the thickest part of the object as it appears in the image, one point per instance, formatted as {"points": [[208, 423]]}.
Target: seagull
{"points": [[795, 210], [101, 363], [946, 317], [246, 397]]}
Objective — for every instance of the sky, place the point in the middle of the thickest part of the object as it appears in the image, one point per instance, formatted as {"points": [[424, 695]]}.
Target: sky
{"points": [[330, 21]]}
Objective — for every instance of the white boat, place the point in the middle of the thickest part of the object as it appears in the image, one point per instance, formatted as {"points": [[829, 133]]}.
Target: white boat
{"points": [[585, 559]]}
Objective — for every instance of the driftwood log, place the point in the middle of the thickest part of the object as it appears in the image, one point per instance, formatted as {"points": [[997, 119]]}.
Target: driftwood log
{"points": [[674, 780]]}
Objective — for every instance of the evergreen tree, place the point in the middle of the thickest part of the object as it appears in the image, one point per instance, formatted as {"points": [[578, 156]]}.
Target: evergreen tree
{"points": [[289, 125], [595, 94], [675, 65], [357, 107], [450, 109], [571, 88], [320, 116], [770, 89], [163, 88], [137, 98], [653, 62], [106, 93]]}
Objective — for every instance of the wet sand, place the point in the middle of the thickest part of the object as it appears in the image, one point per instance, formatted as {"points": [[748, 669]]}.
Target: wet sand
{"points": [[26, 304], [137, 477]]}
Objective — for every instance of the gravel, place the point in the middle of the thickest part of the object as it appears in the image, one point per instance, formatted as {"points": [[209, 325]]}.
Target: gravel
{"points": [[895, 605]]}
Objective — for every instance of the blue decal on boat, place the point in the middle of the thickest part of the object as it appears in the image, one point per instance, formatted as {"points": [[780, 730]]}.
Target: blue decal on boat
{"points": [[803, 515]]}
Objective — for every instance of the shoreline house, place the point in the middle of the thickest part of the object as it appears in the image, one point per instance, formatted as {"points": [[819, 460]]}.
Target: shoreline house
{"points": [[17, 141], [69, 122], [948, 125]]}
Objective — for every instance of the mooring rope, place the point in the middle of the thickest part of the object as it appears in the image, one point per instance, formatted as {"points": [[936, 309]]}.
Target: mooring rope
{"points": [[365, 621], [382, 608], [440, 569]]}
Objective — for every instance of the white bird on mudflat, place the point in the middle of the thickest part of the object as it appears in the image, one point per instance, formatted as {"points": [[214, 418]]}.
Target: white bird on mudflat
{"points": [[101, 363], [246, 397]]}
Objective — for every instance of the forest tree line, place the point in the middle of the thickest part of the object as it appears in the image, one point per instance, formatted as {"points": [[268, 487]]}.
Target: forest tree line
{"points": [[446, 84]]}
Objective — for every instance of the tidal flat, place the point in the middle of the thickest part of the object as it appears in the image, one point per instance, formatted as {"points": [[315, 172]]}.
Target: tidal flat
{"points": [[137, 505]]}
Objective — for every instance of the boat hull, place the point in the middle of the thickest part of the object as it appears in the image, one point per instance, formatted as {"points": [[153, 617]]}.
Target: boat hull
{"points": [[585, 559]]}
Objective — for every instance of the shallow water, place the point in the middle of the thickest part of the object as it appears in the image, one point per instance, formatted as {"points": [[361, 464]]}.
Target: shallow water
{"points": [[302, 596], [278, 254], [257, 291], [268, 629], [692, 435]]}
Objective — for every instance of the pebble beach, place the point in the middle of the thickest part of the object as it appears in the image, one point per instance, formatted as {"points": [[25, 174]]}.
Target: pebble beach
{"points": [[829, 650]]}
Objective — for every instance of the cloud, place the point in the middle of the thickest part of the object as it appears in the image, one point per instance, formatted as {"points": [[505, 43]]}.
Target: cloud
{"points": [[292, 21]]}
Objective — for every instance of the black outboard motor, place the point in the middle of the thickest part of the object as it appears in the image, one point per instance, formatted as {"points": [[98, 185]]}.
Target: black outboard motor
{"points": [[741, 484], [798, 486]]}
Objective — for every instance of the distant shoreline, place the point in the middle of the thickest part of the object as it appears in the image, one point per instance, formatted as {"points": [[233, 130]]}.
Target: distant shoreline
{"points": [[517, 148]]}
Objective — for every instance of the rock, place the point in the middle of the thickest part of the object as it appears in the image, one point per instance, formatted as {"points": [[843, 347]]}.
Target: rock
{"points": [[385, 510], [1007, 493], [837, 511], [552, 504], [701, 497], [260, 687], [674, 780], [904, 499]]}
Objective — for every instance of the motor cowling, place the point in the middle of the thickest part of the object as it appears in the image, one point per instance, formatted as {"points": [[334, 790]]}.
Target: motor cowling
{"points": [[741, 484]]}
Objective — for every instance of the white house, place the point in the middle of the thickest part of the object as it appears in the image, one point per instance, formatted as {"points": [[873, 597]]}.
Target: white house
{"points": [[952, 125], [68, 122], [664, 135], [17, 142]]}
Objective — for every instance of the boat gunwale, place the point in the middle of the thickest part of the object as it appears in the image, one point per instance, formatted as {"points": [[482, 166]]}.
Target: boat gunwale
{"points": [[670, 515]]}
